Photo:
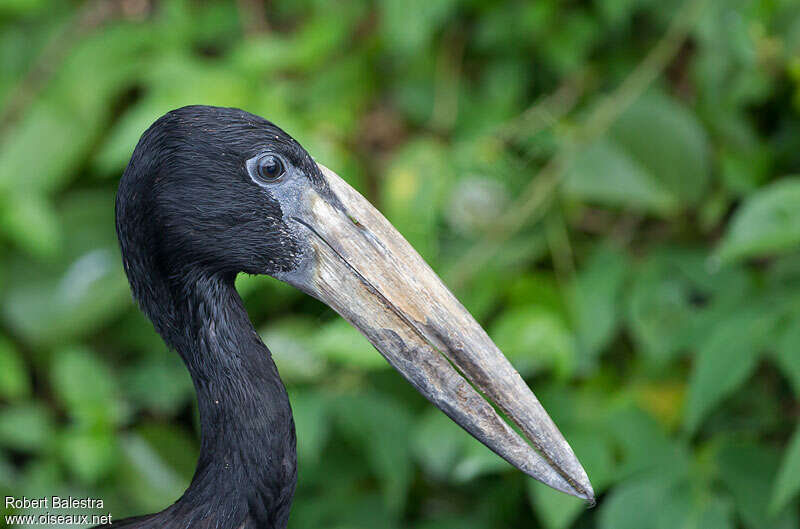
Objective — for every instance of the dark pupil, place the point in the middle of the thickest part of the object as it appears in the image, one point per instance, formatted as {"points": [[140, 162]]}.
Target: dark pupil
{"points": [[270, 167]]}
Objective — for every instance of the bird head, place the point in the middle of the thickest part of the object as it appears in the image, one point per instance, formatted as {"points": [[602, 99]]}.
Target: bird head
{"points": [[218, 191]]}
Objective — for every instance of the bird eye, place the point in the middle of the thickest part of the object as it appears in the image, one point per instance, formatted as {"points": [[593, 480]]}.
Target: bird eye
{"points": [[270, 168]]}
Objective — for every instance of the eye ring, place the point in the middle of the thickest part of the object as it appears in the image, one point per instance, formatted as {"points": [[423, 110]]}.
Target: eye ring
{"points": [[269, 168]]}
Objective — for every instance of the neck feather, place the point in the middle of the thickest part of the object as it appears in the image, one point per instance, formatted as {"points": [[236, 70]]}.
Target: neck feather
{"points": [[247, 470]]}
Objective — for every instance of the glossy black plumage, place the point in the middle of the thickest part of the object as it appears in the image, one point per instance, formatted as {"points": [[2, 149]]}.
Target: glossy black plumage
{"points": [[188, 220]]}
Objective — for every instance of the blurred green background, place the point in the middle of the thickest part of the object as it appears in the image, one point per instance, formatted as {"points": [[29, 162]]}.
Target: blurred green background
{"points": [[610, 186]]}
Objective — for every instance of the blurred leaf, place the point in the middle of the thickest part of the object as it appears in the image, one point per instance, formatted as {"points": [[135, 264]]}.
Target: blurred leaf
{"points": [[27, 427], [440, 457], [54, 302], [675, 298], [148, 477], [767, 223], [453, 522], [71, 111], [604, 173], [748, 469], [161, 384], [570, 40], [22, 7], [291, 342], [716, 514], [787, 352], [14, 378], [504, 273], [416, 180], [409, 26], [725, 360], [617, 11], [89, 455], [662, 504], [655, 159], [639, 503], [31, 223], [477, 461], [39, 476], [594, 301], [8, 473], [341, 342], [787, 484], [310, 411], [645, 446], [665, 137], [381, 429], [172, 445], [664, 399], [85, 385], [534, 339], [537, 289]]}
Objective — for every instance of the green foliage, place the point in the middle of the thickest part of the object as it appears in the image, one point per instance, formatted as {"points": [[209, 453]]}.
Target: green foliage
{"points": [[766, 224], [607, 185]]}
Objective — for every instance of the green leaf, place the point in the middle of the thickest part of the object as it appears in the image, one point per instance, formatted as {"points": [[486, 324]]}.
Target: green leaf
{"points": [[14, 378], [595, 299], [173, 445], [787, 352], [604, 173], [415, 185], [83, 289], [535, 289], [381, 428], [27, 427], [640, 503], [724, 362], [654, 159], [476, 461], [665, 137], [291, 342], [159, 383], [446, 452], [22, 7], [534, 339], [767, 223], [675, 298], [408, 26], [748, 469], [644, 446], [71, 111], [437, 458], [147, 477], [86, 386], [30, 221], [341, 342], [554, 509], [89, 454], [310, 411], [787, 484]]}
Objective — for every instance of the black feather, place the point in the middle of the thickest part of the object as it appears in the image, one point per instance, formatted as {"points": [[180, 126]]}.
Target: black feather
{"points": [[189, 219]]}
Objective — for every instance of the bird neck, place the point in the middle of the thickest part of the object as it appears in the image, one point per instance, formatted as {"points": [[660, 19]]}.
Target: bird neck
{"points": [[247, 470]]}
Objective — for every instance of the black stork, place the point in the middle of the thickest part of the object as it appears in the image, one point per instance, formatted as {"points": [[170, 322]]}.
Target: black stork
{"points": [[213, 192]]}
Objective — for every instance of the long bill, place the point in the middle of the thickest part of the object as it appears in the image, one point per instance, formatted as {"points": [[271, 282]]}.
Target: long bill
{"points": [[367, 272]]}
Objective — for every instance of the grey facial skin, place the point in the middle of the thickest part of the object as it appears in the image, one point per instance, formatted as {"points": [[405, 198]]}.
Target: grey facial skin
{"points": [[360, 266]]}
